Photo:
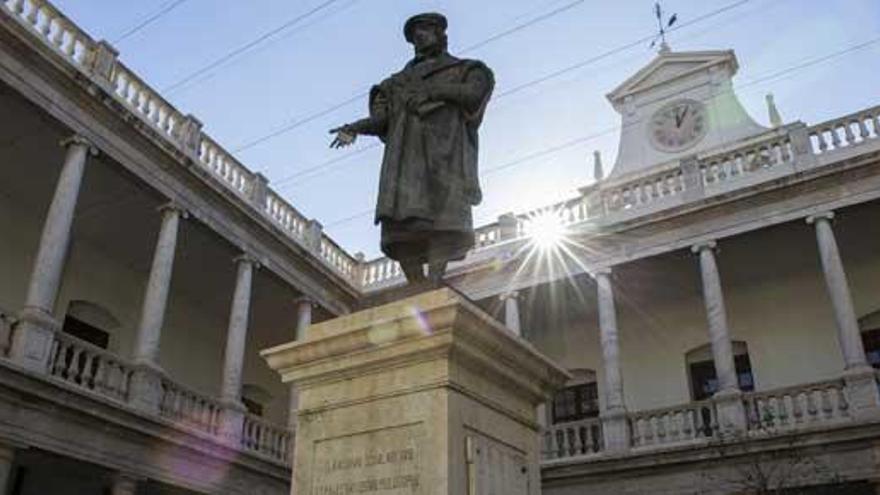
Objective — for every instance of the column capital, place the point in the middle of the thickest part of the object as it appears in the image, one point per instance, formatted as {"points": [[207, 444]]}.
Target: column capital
{"points": [[604, 271], [824, 215], [175, 207], [704, 245], [247, 258], [304, 300], [80, 140], [509, 294]]}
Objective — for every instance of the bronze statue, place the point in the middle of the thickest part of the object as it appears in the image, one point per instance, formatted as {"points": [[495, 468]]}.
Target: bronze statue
{"points": [[427, 115]]}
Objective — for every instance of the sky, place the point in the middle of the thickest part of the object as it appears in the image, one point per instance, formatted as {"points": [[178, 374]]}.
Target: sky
{"points": [[549, 111]]}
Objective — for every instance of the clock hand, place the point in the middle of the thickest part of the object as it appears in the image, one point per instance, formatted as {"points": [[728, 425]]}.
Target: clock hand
{"points": [[679, 119]]}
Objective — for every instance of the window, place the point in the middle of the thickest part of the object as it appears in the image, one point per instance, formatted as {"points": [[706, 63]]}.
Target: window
{"points": [[701, 368], [84, 331], [871, 341], [579, 400], [89, 322], [576, 402], [255, 399]]}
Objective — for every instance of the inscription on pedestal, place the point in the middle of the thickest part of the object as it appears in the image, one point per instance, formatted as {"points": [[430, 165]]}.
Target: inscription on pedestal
{"points": [[383, 461]]}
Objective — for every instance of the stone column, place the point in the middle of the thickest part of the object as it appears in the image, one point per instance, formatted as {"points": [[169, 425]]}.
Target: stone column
{"points": [[7, 456], [304, 306], [124, 484], [860, 377], [237, 330], [303, 316], [511, 312], [614, 424], [33, 337], [158, 286], [233, 362], [731, 416], [146, 381]]}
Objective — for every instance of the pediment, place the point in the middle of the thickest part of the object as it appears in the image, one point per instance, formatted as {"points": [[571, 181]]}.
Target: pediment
{"points": [[668, 66]]}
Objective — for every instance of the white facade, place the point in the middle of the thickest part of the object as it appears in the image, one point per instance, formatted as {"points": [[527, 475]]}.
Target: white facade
{"points": [[734, 240]]}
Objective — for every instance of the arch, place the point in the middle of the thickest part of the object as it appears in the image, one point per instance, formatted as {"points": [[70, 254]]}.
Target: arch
{"points": [[870, 321], [702, 378], [93, 314]]}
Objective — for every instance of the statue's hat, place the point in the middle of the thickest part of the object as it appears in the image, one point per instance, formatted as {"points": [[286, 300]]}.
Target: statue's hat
{"points": [[438, 20]]}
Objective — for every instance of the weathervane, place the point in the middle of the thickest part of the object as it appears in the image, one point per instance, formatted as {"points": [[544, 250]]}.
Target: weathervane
{"points": [[662, 26]]}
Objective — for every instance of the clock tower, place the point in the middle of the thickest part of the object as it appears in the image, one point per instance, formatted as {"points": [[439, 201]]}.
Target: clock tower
{"points": [[680, 104]]}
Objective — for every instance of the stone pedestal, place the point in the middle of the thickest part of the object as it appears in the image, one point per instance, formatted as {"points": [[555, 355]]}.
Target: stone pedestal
{"points": [[427, 395]]}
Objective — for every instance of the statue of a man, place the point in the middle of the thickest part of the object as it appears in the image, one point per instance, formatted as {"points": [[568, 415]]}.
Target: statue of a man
{"points": [[427, 115]]}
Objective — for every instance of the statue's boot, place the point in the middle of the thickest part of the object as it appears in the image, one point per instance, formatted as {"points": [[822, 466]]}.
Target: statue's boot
{"points": [[436, 270], [413, 271]]}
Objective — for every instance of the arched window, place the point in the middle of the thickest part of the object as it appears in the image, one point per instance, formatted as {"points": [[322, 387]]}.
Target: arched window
{"points": [[701, 370], [870, 327], [90, 322], [578, 400]]}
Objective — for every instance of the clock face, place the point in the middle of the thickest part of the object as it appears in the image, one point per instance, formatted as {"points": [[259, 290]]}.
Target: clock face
{"points": [[678, 125]]}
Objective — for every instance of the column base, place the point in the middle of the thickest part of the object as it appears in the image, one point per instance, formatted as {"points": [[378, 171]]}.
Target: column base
{"points": [[145, 388], [862, 392], [615, 431], [232, 423], [731, 414], [32, 339]]}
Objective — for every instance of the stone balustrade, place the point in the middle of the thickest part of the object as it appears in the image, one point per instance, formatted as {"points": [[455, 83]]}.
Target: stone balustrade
{"points": [[339, 260], [190, 408], [849, 130], [813, 405], [89, 367], [673, 425], [225, 167], [571, 439], [750, 159], [146, 103], [263, 438], [666, 182], [53, 28], [796, 407]]}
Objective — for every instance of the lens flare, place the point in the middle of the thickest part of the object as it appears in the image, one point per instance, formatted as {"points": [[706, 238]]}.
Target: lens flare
{"points": [[546, 230]]}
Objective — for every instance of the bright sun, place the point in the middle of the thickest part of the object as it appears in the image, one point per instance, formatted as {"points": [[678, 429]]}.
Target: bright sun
{"points": [[546, 230]]}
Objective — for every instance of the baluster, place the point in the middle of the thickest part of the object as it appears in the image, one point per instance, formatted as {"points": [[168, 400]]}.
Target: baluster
{"points": [[863, 129], [72, 371], [86, 375], [827, 406], [787, 409], [17, 6], [842, 404], [848, 133], [876, 121], [835, 137], [70, 49], [812, 410], [32, 16], [53, 356], [61, 360], [688, 428], [100, 378], [651, 433], [46, 27], [57, 37], [798, 407]]}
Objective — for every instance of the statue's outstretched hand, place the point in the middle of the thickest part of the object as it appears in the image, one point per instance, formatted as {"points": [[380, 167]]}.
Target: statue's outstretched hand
{"points": [[345, 136]]}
